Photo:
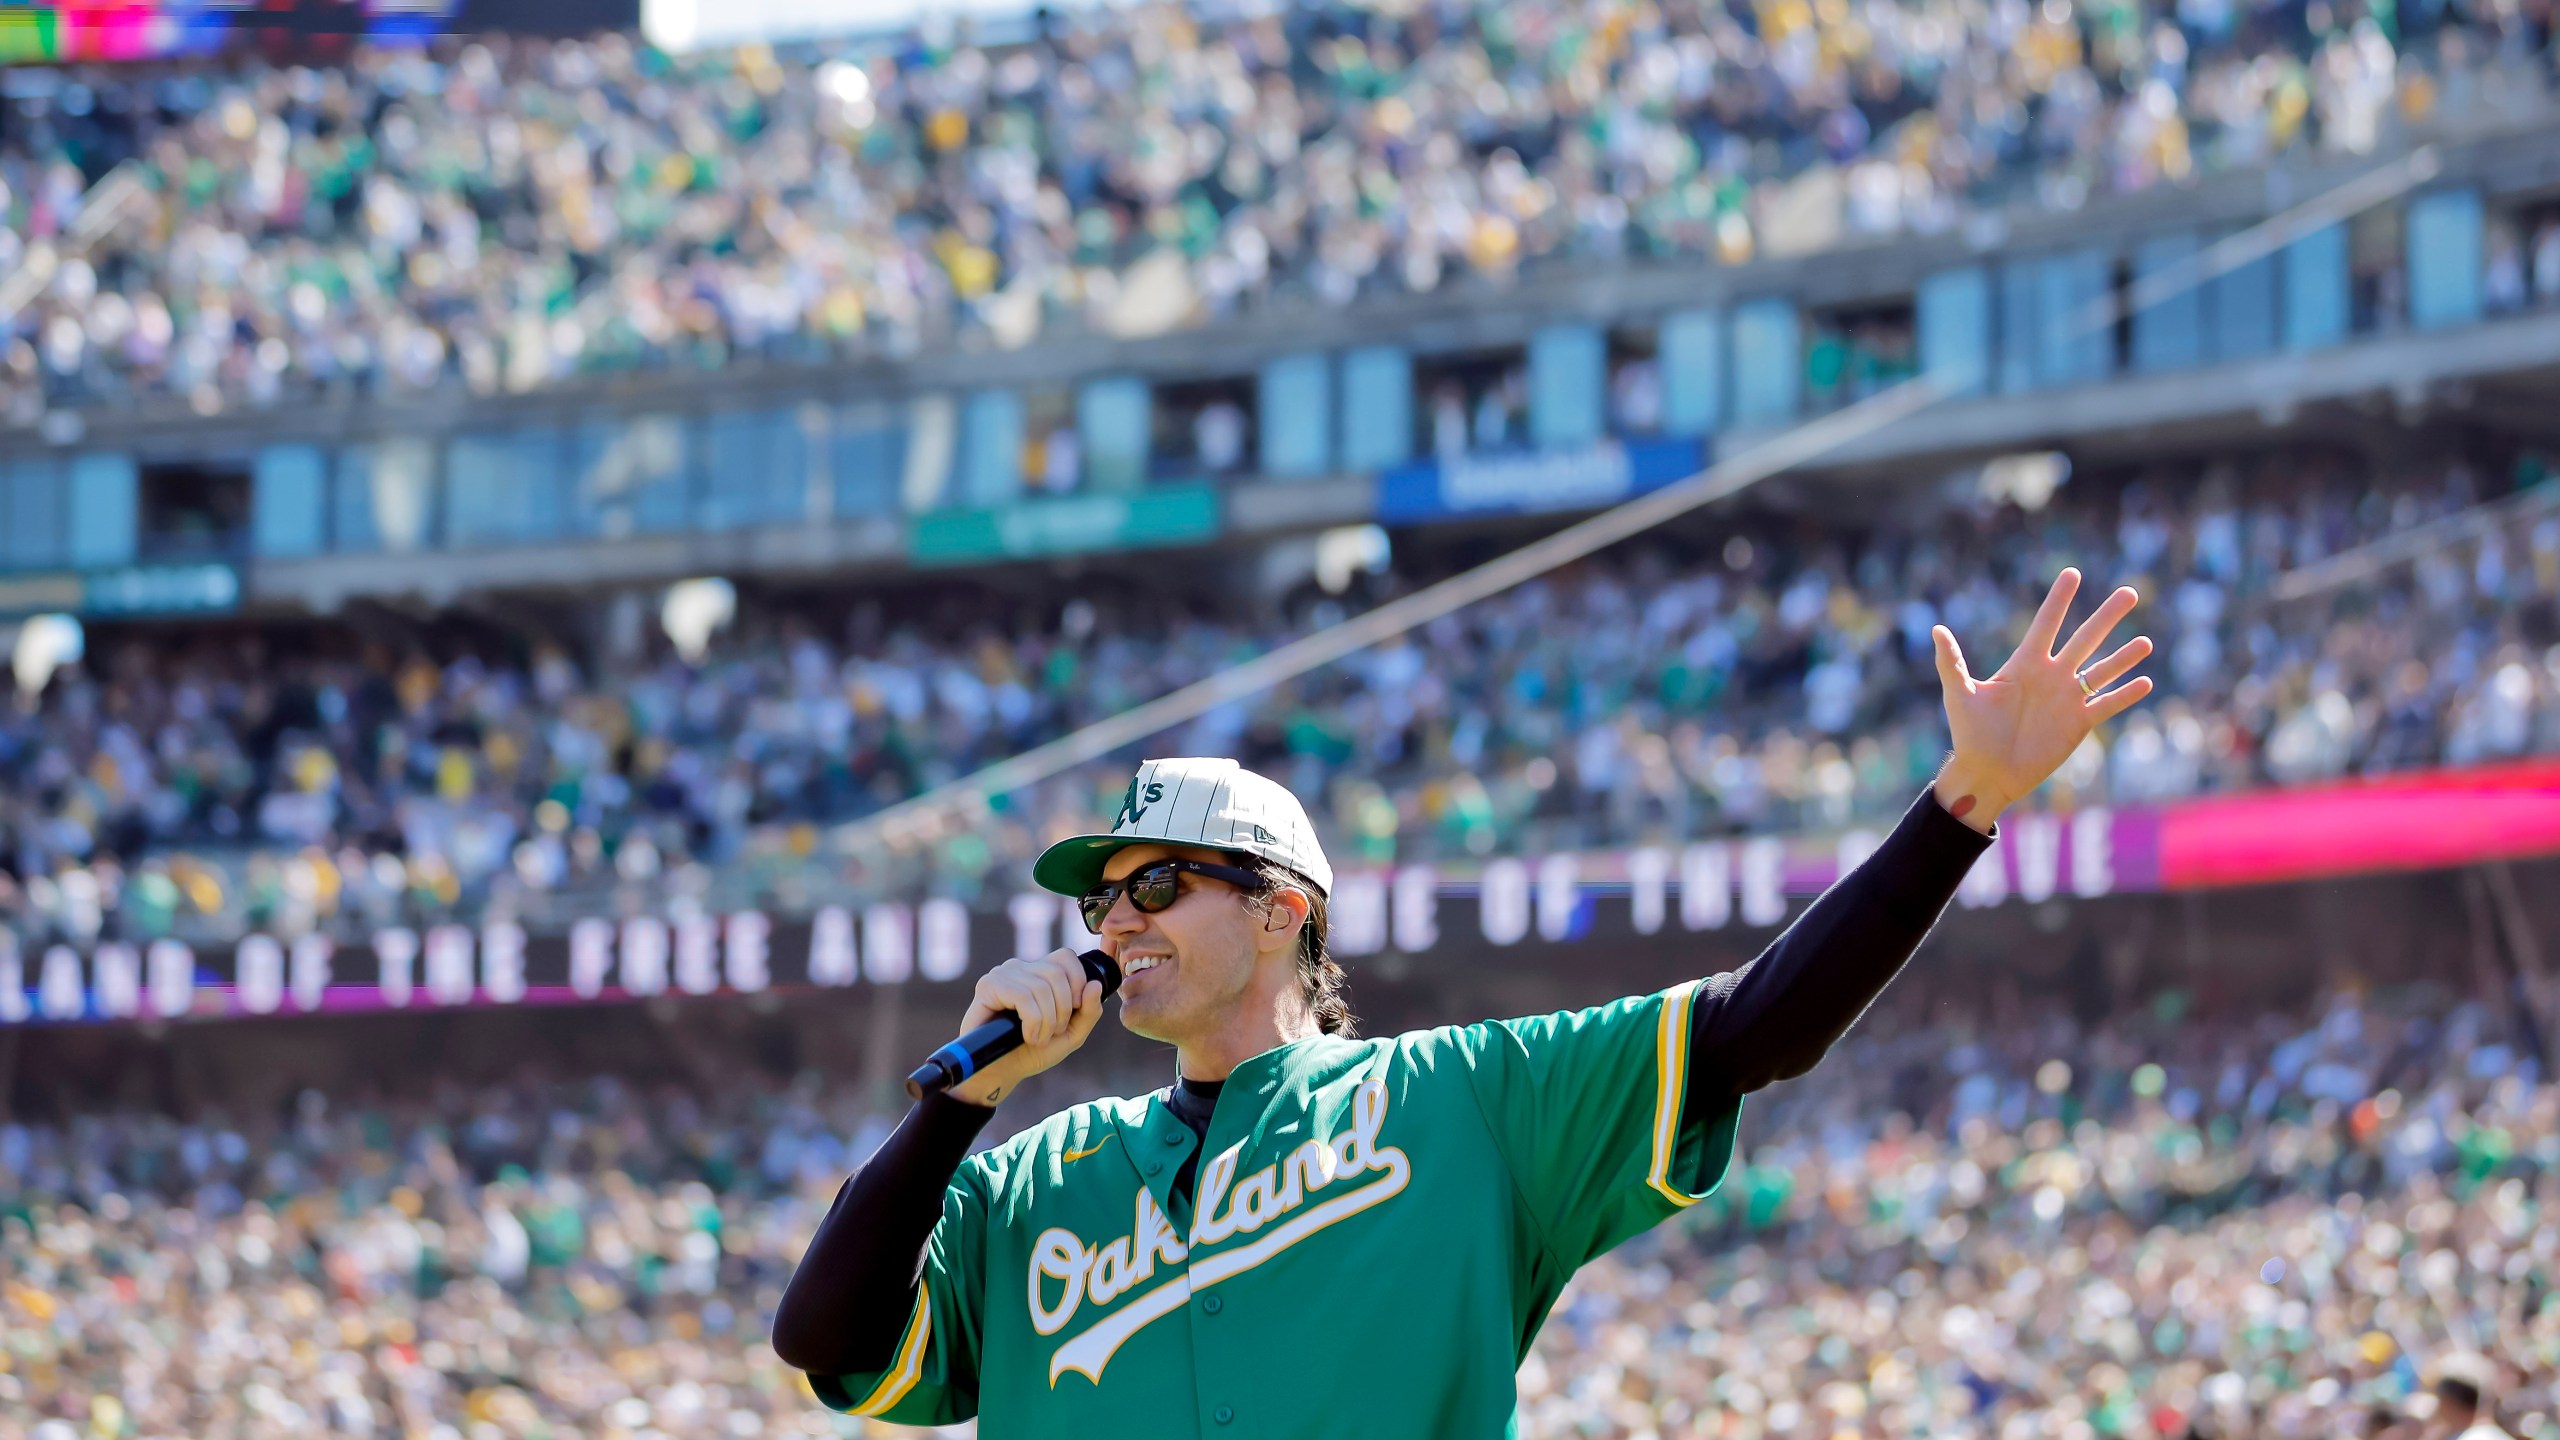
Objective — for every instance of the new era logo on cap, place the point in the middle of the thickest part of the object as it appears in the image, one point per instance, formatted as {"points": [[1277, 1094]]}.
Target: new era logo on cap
{"points": [[1193, 801]]}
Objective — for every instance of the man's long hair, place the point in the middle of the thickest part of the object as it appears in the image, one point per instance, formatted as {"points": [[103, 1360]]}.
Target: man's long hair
{"points": [[1327, 989]]}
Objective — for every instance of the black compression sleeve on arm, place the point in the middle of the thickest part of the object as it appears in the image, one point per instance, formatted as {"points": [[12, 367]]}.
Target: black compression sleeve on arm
{"points": [[1774, 1017], [847, 1305]]}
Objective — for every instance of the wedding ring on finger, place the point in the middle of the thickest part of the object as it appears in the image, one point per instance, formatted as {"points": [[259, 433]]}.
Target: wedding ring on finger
{"points": [[2086, 689]]}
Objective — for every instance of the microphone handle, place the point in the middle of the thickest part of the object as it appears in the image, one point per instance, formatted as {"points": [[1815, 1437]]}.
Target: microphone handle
{"points": [[994, 1040], [965, 1056]]}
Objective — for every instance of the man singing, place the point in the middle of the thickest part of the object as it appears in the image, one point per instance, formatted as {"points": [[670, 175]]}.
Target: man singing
{"points": [[1313, 1235]]}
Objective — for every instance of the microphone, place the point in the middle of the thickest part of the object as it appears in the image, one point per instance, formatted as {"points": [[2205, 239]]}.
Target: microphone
{"points": [[996, 1039]]}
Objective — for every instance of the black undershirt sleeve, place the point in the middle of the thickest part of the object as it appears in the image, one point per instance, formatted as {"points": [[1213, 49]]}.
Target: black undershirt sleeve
{"points": [[847, 1305], [1776, 1016]]}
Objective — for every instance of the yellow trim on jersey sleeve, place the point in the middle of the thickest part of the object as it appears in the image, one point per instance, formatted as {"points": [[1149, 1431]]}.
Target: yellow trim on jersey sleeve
{"points": [[1671, 1072], [903, 1375]]}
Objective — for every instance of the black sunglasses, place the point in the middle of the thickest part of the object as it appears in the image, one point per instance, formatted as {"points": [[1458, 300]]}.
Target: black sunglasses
{"points": [[1153, 887]]}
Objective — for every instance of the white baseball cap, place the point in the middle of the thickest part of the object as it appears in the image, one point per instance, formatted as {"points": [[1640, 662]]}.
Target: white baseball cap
{"points": [[1216, 803]]}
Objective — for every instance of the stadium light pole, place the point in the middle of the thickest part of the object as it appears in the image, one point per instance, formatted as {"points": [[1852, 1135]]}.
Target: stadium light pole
{"points": [[2375, 556], [967, 796], [101, 206]]}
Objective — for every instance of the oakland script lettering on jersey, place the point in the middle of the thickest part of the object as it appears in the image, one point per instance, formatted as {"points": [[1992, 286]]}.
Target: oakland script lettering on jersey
{"points": [[1104, 1273]]}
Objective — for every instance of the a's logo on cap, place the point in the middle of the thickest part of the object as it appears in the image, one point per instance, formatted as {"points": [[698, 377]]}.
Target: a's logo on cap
{"points": [[1132, 809]]}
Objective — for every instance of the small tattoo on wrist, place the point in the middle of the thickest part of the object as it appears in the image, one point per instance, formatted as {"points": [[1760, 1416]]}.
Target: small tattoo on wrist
{"points": [[1962, 807]]}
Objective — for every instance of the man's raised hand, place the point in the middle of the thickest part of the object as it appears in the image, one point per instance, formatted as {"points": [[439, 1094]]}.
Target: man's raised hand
{"points": [[2016, 726]]}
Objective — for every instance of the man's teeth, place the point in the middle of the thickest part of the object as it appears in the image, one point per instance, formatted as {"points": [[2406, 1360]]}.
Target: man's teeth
{"points": [[1137, 963]]}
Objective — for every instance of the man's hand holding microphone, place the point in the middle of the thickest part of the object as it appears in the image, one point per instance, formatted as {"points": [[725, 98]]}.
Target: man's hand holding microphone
{"points": [[1048, 1003]]}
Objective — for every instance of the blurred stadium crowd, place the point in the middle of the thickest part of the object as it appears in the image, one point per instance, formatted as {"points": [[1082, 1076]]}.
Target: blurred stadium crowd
{"points": [[1986, 1221], [1782, 681], [1976, 1220], [501, 215]]}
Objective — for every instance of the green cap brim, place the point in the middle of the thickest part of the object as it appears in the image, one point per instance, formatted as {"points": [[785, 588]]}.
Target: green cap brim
{"points": [[1074, 865]]}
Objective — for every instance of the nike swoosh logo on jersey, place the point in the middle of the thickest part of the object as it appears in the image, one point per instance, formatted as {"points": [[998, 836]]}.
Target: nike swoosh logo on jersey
{"points": [[1073, 1156]]}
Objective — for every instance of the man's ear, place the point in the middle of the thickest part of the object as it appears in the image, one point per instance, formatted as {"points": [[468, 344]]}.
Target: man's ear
{"points": [[1288, 908]]}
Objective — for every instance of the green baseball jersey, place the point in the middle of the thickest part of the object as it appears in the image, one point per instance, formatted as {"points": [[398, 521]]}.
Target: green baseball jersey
{"points": [[1379, 1228]]}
